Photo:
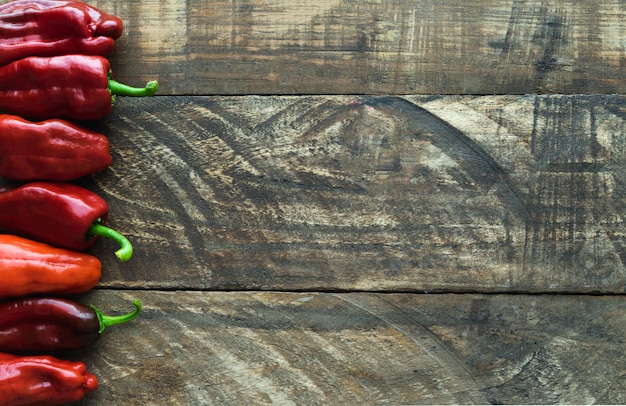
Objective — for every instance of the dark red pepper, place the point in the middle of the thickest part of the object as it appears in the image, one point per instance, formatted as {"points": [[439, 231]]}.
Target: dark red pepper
{"points": [[58, 213], [49, 150], [43, 380], [50, 324], [51, 27], [78, 87]]}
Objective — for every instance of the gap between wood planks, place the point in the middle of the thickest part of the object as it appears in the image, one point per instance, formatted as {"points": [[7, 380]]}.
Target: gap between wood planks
{"points": [[375, 292]]}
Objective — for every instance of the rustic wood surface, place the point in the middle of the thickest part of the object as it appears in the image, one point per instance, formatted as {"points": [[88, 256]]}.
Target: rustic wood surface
{"points": [[500, 193], [253, 348], [392, 47], [366, 202], [362, 194]]}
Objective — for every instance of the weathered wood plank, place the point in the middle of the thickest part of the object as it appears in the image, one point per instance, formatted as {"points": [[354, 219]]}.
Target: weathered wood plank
{"points": [[491, 194], [192, 348], [364, 47]]}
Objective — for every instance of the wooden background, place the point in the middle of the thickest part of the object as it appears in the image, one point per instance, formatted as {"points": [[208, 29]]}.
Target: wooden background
{"points": [[366, 202]]}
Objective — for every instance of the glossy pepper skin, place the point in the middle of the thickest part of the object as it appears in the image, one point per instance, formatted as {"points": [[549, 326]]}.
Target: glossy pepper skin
{"points": [[51, 324], [55, 213], [60, 214], [76, 87], [54, 149], [31, 268], [43, 380], [55, 27]]}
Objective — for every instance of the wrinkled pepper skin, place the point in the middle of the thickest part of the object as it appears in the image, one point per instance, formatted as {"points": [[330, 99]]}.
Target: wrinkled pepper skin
{"points": [[31, 268], [52, 324], [43, 380], [68, 86], [76, 87], [55, 213], [54, 150], [54, 27]]}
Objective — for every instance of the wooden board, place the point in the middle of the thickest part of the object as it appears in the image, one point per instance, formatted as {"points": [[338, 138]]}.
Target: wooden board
{"points": [[500, 193], [391, 47], [314, 223], [253, 348]]}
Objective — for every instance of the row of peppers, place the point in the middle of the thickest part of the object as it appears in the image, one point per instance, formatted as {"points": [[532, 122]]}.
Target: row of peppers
{"points": [[53, 71]]}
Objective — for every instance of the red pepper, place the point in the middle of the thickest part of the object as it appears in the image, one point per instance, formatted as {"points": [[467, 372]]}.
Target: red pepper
{"points": [[43, 380], [49, 150], [49, 324], [78, 87], [50, 27], [60, 214], [29, 267]]}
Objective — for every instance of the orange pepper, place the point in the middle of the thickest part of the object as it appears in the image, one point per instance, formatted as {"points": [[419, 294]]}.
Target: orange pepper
{"points": [[28, 268]]}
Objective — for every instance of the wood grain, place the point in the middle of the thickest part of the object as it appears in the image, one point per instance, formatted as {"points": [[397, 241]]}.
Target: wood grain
{"points": [[372, 47], [385, 193], [299, 190], [192, 348]]}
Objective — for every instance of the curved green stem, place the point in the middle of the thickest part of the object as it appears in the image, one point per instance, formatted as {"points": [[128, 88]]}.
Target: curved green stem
{"points": [[106, 321], [126, 248], [120, 89]]}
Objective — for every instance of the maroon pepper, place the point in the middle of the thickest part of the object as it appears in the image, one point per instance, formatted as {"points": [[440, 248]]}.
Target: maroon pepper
{"points": [[58, 213], [78, 87], [51, 27], [49, 150], [50, 324]]}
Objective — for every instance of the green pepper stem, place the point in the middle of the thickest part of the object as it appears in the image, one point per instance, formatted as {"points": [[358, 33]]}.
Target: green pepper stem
{"points": [[106, 321], [126, 248], [120, 89]]}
